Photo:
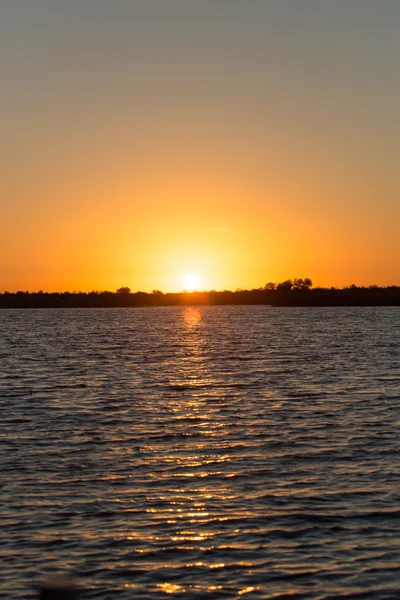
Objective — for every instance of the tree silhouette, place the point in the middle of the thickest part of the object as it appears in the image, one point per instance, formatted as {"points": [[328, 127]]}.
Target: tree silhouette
{"points": [[302, 284], [285, 286]]}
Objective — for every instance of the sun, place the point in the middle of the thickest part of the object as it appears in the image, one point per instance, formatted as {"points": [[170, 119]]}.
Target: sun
{"points": [[191, 282]]}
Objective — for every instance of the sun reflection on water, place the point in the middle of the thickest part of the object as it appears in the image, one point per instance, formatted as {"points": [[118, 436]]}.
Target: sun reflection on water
{"points": [[171, 588], [188, 527], [192, 316]]}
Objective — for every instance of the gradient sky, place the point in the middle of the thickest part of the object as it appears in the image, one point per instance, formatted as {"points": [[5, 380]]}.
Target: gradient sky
{"points": [[245, 140]]}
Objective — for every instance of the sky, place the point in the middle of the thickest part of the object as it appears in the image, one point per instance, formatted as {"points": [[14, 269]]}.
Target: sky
{"points": [[246, 141]]}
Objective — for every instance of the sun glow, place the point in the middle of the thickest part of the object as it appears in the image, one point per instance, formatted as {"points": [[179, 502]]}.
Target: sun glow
{"points": [[191, 282]]}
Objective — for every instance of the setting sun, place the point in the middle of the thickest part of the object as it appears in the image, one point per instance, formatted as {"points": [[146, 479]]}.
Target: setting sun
{"points": [[191, 282]]}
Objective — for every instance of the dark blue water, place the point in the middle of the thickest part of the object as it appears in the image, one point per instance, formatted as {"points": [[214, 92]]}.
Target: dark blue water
{"points": [[211, 452]]}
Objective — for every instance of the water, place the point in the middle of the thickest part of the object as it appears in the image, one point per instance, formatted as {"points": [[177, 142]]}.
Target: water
{"points": [[212, 452]]}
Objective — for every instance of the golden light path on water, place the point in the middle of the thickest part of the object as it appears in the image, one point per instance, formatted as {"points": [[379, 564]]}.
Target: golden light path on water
{"points": [[190, 510]]}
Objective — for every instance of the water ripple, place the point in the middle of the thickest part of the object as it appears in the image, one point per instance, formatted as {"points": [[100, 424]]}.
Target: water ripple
{"points": [[221, 453]]}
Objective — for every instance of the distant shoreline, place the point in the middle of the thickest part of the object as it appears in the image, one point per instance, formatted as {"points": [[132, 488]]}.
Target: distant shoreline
{"points": [[272, 295]]}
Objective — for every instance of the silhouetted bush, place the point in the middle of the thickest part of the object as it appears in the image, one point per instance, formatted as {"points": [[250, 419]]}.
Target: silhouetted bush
{"points": [[296, 292]]}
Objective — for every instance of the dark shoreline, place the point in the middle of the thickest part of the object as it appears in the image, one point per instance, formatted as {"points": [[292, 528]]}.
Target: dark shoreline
{"points": [[350, 296]]}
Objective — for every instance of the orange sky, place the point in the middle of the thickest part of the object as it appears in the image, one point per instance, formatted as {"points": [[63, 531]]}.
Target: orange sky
{"points": [[246, 142]]}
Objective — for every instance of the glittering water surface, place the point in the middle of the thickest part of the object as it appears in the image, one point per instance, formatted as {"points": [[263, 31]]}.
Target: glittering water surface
{"points": [[212, 452]]}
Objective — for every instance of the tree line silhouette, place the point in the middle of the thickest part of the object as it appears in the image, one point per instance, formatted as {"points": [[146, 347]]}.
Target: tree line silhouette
{"points": [[291, 292]]}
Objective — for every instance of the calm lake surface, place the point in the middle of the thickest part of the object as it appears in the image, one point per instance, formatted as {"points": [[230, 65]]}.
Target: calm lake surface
{"points": [[213, 452]]}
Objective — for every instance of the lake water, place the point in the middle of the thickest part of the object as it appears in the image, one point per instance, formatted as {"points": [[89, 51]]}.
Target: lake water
{"points": [[218, 452]]}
